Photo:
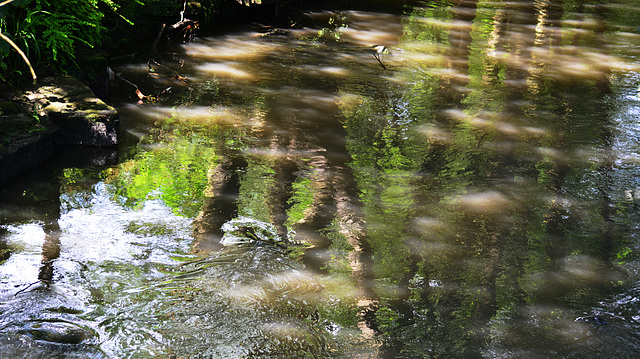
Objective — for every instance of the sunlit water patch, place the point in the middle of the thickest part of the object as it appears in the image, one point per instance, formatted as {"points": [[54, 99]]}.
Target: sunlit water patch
{"points": [[102, 248], [25, 246], [120, 234]]}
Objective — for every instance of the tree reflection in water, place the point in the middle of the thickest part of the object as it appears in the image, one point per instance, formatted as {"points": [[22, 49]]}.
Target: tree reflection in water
{"points": [[472, 195], [488, 227], [50, 252], [474, 199]]}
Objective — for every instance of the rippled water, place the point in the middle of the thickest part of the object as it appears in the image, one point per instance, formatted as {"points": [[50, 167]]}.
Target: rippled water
{"points": [[470, 191]]}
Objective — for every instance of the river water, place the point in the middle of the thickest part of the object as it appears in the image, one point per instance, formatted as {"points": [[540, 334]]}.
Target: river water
{"points": [[470, 190]]}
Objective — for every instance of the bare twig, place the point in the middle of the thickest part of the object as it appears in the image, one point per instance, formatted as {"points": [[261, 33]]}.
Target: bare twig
{"points": [[24, 57], [154, 47], [5, 2], [29, 286], [184, 9], [176, 75], [377, 56]]}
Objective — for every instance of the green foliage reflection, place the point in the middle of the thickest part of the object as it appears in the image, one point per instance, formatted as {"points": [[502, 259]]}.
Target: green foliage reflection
{"points": [[174, 171]]}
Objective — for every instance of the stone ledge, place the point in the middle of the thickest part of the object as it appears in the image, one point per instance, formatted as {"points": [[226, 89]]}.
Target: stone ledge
{"points": [[27, 152], [58, 110], [83, 118]]}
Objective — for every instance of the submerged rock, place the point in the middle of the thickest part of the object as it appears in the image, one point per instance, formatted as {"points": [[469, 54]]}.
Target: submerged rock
{"points": [[244, 301], [248, 230], [59, 332]]}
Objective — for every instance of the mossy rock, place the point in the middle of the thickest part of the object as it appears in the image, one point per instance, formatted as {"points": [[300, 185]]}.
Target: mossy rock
{"points": [[82, 118], [59, 109]]}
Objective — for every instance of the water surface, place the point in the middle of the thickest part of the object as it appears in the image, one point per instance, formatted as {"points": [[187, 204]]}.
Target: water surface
{"points": [[471, 191]]}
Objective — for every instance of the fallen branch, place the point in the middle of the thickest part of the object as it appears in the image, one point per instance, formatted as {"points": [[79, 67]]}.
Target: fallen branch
{"points": [[184, 28]]}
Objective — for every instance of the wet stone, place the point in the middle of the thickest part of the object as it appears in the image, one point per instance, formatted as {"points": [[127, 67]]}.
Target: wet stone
{"points": [[248, 230], [59, 332]]}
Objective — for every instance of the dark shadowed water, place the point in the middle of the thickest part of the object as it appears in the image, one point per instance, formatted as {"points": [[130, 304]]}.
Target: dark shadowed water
{"points": [[470, 190]]}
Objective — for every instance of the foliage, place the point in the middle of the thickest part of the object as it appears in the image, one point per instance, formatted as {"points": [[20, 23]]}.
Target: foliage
{"points": [[49, 31]]}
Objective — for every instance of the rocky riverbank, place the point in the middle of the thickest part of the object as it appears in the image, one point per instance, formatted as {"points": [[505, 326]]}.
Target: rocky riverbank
{"points": [[58, 109]]}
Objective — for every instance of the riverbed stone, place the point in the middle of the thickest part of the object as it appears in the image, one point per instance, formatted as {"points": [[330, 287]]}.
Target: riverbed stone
{"points": [[59, 332]]}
